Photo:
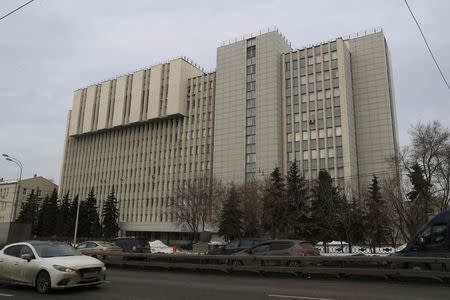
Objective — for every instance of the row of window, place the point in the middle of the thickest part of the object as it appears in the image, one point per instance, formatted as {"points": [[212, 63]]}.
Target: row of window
{"points": [[250, 158], [313, 134], [318, 58]]}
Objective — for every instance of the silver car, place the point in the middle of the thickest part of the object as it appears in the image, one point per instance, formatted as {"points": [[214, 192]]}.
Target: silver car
{"points": [[49, 265]]}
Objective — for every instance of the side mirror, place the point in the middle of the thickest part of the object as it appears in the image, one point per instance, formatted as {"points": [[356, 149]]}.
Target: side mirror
{"points": [[27, 257], [421, 241]]}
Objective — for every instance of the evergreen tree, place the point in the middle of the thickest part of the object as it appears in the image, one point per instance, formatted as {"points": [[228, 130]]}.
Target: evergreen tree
{"points": [[92, 215], [297, 207], [40, 230], [110, 216], [326, 205], [275, 206], [230, 219], [49, 215], [421, 205], [64, 227], [377, 221], [29, 212], [83, 221]]}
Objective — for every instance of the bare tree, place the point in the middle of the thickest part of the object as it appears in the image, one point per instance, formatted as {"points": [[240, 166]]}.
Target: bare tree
{"points": [[198, 203], [251, 206], [430, 149]]}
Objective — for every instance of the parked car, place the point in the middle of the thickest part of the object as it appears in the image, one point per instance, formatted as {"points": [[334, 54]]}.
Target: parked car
{"points": [[235, 246], [98, 249], [132, 244], [288, 248], [432, 240], [49, 265]]}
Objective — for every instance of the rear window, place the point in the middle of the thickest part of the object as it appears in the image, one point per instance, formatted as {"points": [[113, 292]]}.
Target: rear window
{"points": [[105, 244]]}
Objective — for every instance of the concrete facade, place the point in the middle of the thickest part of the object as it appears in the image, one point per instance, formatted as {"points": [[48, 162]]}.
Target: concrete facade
{"points": [[328, 106], [39, 185]]}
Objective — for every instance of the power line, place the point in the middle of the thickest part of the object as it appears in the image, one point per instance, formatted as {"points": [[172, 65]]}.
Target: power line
{"points": [[13, 11], [428, 46]]}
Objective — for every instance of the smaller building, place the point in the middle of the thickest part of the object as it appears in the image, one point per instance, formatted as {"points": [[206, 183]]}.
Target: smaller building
{"points": [[39, 185]]}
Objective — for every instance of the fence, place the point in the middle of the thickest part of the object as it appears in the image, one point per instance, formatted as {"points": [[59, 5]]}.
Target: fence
{"points": [[384, 266]]}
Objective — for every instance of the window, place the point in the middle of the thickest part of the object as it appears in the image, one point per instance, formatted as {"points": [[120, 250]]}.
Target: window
{"points": [[327, 93], [288, 66], [336, 92], [338, 131], [322, 153], [303, 80], [305, 135], [333, 55], [318, 59], [288, 83], [310, 60], [321, 133], [330, 153], [335, 73], [280, 245], [295, 64], [251, 121], [24, 191], [330, 132], [435, 234], [313, 134], [326, 57], [289, 137], [261, 248], [297, 136], [251, 52], [251, 158], [339, 152], [305, 155], [313, 154], [251, 69], [312, 97], [13, 250]]}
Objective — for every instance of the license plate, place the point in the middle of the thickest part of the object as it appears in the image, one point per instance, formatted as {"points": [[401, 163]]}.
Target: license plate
{"points": [[90, 274]]}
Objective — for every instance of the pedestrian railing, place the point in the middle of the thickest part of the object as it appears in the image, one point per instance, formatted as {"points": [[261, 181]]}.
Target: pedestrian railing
{"points": [[384, 266]]}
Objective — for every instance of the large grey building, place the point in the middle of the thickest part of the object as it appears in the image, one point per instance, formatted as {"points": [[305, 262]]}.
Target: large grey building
{"points": [[327, 106]]}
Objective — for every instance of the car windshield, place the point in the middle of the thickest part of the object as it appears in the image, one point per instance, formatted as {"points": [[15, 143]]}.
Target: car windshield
{"points": [[55, 250]]}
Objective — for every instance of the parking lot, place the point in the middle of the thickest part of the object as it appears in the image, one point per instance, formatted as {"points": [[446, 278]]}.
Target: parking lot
{"points": [[140, 284]]}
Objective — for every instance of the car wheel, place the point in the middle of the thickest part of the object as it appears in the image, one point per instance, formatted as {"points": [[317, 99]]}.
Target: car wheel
{"points": [[293, 264], [419, 267], [43, 282], [236, 263]]}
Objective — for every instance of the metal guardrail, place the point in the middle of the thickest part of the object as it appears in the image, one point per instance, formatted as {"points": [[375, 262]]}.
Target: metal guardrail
{"points": [[387, 266]]}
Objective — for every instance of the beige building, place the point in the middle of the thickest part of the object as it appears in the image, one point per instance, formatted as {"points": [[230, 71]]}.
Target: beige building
{"points": [[39, 185], [328, 106]]}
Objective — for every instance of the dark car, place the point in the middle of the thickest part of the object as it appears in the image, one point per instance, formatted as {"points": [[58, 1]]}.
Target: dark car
{"points": [[235, 246], [432, 239], [288, 248], [132, 244]]}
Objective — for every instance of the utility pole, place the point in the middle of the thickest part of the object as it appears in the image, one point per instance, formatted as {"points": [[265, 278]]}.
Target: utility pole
{"points": [[76, 224], [17, 189]]}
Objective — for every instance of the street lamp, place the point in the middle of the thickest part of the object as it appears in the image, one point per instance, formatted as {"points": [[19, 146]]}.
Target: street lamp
{"points": [[16, 193]]}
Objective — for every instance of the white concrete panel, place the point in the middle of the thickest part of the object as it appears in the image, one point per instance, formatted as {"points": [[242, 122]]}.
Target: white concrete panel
{"points": [[103, 105], [75, 114], [154, 92], [180, 72], [136, 96], [119, 100], [89, 109]]}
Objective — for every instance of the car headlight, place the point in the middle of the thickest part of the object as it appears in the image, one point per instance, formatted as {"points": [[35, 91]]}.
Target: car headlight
{"points": [[64, 269]]}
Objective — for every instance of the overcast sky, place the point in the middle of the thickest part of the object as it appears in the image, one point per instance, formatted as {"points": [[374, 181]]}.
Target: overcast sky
{"points": [[52, 47]]}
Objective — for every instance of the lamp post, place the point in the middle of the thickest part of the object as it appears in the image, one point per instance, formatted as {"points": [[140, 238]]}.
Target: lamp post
{"points": [[76, 224], [16, 192]]}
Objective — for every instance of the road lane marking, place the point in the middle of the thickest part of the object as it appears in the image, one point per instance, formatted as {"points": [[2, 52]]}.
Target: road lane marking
{"points": [[298, 297], [5, 295]]}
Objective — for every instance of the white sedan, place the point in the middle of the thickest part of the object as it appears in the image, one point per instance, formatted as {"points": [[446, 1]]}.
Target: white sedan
{"points": [[49, 265]]}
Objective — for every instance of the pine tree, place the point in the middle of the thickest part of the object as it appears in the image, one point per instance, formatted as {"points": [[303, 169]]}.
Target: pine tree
{"points": [[83, 221], [274, 208], [421, 205], [92, 215], [377, 222], [110, 216], [49, 215], [29, 212], [297, 208], [230, 219], [325, 207], [64, 227], [40, 229]]}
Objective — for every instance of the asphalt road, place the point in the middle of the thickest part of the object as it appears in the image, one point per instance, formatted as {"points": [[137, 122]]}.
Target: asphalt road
{"points": [[160, 285]]}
